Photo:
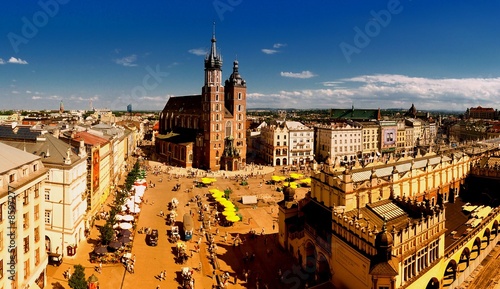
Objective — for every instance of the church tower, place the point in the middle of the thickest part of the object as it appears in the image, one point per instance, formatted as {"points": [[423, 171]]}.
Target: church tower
{"points": [[235, 89], [213, 109]]}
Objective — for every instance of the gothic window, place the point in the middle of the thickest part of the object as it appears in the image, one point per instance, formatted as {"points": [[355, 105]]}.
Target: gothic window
{"points": [[239, 107], [217, 154], [229, 126], [239, 95], [217, 97], [217, 127]]}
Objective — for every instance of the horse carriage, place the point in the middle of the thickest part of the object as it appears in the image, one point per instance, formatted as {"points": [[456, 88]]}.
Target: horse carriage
{"points": [[173, 204], [171, 218], [187, 278], [181, 253], [174, 234]]}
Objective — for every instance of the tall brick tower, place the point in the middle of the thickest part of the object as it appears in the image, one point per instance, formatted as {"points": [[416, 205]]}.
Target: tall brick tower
{"points": [[213, 109], [235, 89]]}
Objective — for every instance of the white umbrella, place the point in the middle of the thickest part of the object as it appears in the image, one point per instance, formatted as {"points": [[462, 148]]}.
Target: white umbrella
{"points": [[119, 217], [137, 200], [134, 210], [125, 226], [139, 190], [128, 218], [124, 208]]}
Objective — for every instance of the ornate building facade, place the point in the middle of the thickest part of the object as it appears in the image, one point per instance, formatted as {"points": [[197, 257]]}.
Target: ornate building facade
{"points": [[385, 225], [208, 130]]}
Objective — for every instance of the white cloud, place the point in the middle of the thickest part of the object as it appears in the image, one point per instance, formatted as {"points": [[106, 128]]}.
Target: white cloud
{"points": [[127, 60], [36, 97], [198, 51], [388, 91], [303, 74], [14, 92], [28, 91], [269, 51], [17, 61], [279, 45], [2, 61]]}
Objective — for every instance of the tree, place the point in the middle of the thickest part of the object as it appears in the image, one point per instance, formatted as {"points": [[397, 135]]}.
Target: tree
{"points": [[77, 280], [107, 233]]}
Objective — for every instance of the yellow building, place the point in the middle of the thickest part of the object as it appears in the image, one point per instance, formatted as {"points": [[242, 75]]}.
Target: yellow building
{"points": [[387, 225]]}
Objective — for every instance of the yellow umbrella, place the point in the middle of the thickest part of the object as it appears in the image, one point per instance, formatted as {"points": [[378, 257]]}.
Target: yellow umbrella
{"points": [[229, 209], [296, 176], [217, 194], [220, 200], [228, 213], [233, 218], [228, 204], [213, 191], [276, 178]]}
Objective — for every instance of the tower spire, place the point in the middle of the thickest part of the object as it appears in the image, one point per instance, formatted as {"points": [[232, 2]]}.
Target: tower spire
{"points": [[213, 60]]}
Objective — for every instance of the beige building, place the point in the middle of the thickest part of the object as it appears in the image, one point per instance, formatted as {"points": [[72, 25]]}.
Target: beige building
{"points": [[22, 248], [341, 141], [274, 140], [379, 226]]}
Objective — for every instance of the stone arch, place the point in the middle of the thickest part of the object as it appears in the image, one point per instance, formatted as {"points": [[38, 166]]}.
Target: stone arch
{"points": [[464, 260], [476, 249], [323, 273], [450, 274], [433, 283], [278, 162], [487, 235], [48, 244], [284, 162], [494, 228], [310, 252]]}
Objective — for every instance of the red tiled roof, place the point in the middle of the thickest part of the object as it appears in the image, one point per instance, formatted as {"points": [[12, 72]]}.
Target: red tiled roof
{"points": [[89, 138]]}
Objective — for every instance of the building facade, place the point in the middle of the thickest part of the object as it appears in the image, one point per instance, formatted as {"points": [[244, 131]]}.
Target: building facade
{"points": [[207, 131], [23, 257]]}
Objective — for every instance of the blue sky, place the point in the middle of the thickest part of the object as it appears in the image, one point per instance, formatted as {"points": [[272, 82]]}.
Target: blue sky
{"points": [[293, 54]]}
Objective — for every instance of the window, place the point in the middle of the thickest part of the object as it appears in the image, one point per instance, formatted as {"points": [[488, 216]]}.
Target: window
{"points": [[47, 194], [37, 234], [26, 244], [26, 269], [35, 167], [37, 256], [37, 190], [239, 95], [26, 220], [1, 240], [37, 212], [1, 212], [25, 172], [48, 217], [26, 197], [12, 178], [1, 269]]}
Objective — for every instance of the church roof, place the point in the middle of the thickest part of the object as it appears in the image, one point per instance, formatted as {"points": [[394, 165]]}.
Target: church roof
{"points": [[184, 104]]}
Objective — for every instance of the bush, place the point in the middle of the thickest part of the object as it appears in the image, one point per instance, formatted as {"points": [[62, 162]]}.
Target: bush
{"points": [[77, 279]]}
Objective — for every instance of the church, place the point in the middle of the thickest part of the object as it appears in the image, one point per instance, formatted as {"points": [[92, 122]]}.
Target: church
{"points": [[206, 131]]}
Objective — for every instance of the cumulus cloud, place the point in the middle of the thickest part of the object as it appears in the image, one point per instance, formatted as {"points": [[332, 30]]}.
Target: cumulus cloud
{"points": [[388, 91], [269, 51], [303, 74], [17, 61], [128, 61], [2, 61], [198, 51], [279, 45]]}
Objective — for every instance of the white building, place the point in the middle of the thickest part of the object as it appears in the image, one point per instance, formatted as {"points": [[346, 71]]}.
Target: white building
{"points": [[22, 249], [274, 140], [340, 141], [301, 143], [65, 191]]}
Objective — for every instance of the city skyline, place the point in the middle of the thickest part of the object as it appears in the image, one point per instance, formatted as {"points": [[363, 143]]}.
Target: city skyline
{"points": [[377, 54]]}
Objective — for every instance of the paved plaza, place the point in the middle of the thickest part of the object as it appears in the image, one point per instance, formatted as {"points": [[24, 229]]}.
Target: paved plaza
{"points": [[266, 257]]}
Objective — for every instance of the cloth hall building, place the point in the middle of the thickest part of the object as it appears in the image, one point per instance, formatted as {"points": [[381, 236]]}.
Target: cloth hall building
{"points": [[206, 131]]}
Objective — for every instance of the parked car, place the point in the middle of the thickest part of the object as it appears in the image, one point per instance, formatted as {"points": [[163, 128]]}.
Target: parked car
{"points": [[55, 259], [152, 238]]}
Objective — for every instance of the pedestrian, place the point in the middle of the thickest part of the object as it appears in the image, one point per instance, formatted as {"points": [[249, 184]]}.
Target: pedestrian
{"points": [[235, 279], [213, 275], [161, 276], [164, 274], [246, 277], [100, 267]]}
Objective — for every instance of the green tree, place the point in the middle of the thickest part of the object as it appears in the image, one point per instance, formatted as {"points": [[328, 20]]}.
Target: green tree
{"points": [[77, 279], [107, 233]]}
